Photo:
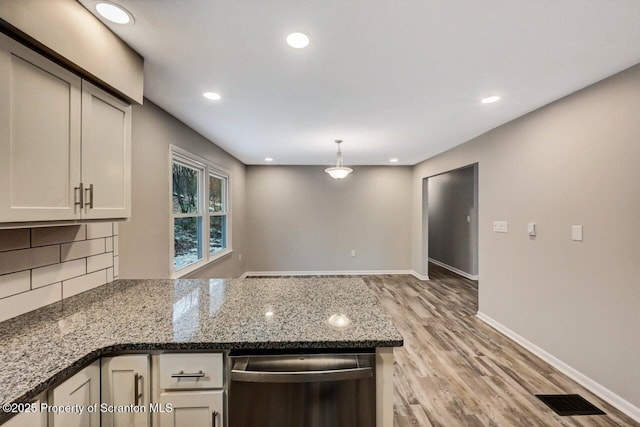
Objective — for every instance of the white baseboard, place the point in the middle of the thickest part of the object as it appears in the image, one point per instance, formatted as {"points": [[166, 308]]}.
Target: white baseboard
{"points": [[244, 275], [419, 276], [455, 270], [593, 386], [333, 273]]}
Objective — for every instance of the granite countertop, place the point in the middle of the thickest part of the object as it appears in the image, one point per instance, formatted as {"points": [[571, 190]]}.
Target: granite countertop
{"points": [[40, 348]]}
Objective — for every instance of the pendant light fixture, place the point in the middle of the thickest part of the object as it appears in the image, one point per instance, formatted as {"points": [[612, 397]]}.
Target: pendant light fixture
{"points": [[339, 171]]}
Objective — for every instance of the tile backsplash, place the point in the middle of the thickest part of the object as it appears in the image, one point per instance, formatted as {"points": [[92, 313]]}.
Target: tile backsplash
{"points": [[40, 266]]}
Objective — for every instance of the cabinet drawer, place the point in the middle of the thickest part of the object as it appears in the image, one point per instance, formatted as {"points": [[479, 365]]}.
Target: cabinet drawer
{"points": [[191, 370], [192, 408]]}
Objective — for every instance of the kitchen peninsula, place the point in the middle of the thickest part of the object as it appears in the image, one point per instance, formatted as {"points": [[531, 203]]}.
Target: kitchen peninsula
{"points": [[40, 349]]}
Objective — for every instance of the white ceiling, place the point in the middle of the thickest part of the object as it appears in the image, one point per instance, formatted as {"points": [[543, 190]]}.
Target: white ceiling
{"points": [[393, 78]]}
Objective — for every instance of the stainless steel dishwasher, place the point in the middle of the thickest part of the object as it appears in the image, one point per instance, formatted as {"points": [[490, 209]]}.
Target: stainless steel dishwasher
{"points": [[302, 390]]}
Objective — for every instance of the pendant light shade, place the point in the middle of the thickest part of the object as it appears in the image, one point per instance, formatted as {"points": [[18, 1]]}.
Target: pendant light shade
{"points": [[339, 171]]}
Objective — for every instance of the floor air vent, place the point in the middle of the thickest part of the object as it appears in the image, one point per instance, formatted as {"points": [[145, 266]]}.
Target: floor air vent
{"points": [[569, 404]]}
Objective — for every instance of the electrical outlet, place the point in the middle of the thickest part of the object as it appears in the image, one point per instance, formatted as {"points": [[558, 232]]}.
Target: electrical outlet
{"points": [[353, 252]]}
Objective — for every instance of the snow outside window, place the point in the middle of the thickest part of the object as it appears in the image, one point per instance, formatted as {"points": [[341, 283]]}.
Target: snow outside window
{"points": [[199, 212]]}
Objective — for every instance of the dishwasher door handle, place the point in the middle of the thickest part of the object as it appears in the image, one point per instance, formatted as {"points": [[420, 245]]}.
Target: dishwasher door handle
{"points": [[242, 375]]}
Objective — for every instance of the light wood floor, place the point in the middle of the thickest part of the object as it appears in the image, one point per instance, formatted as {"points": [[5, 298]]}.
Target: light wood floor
{"points": [[456, 371]]}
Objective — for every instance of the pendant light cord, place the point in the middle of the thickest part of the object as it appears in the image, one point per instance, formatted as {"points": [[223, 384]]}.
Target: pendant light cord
{"points": [[339, 161]]}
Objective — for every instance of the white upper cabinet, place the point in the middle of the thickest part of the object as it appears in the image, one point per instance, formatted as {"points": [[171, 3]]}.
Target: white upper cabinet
{"points": [[65, 145], [106, 154], [39, 137]]}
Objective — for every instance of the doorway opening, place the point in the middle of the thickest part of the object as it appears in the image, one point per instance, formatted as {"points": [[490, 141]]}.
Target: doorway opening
{"points": [[451, 239]]}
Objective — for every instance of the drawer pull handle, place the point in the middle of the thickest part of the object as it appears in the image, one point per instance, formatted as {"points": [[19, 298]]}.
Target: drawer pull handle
{"points": [[183, 374], [214, 416]]}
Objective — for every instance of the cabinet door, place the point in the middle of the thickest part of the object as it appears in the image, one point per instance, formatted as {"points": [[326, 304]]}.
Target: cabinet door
{"points": [[106, 154], [39, 137], [80, 391], [126, 381], [36, 418], [192, 408], [27, 419]]}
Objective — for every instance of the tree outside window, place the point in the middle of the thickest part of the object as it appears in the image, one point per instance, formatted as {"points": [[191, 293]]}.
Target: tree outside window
{"points": [[200, 233]]}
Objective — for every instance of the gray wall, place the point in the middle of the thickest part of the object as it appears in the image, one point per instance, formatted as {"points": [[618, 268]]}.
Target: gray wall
{"points": [[144, 241], [452, 239], [575, 161], [302, 220]]}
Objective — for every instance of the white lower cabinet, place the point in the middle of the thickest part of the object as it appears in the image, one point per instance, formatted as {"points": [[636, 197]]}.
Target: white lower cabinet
{"points": [[189, 388], [34, 418], [27, 419], [77, 393], [126, 383], [192, 408], [136, 390]]}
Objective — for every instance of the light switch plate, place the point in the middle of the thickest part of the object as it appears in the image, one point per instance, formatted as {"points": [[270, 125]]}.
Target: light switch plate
{"points": [[500, 226], [531, 229], [576, 233]]}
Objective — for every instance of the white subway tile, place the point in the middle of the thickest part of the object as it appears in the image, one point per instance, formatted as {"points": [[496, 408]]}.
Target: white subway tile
{"points": [[116, 267], [14, 283], [82, 249], [14, 239], [99, 229], [108, 244], [83, 283], [116, 245], [58, 272], [99, 262], [54, 235], [116, 231], [109, 274], [25, 259], [27, 301]]}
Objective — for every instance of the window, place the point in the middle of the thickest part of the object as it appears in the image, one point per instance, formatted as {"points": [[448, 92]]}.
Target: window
{"points": [[199, 212], [217, 213]]}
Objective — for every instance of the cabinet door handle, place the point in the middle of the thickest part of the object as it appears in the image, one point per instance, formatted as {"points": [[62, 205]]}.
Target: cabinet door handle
{"points": [[90, 190], [137, 394], [183, 374], [81, 193], [214, 417]]}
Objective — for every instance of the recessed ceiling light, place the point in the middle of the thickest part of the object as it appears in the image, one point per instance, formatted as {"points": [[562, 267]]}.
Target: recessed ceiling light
{"points": [[268, 159], [114, 13], [393, 160], [212, 95], [491, 99], [298, 40]]}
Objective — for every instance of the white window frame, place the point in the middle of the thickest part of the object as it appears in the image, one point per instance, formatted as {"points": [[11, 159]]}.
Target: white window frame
{"points": [[208, 169]]}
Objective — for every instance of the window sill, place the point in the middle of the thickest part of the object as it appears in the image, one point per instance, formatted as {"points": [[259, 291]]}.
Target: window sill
{"points": [[201, 264]]}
